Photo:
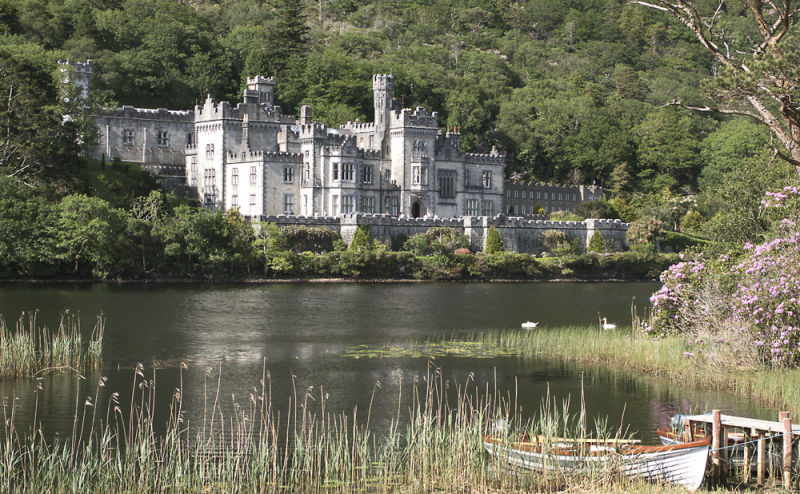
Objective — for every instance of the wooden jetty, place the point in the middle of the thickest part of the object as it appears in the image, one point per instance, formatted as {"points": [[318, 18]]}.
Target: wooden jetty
{"points": [[754, 432]]}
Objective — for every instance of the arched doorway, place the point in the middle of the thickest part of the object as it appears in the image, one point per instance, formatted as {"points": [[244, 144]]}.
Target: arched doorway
{"points": [[416, 210]]}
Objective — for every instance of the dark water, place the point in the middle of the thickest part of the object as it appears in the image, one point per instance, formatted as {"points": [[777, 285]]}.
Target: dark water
{"points": [[300, 331]]}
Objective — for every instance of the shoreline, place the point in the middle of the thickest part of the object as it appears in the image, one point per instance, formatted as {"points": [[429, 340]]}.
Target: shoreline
{"points": [[259, 281], [663, 358]]}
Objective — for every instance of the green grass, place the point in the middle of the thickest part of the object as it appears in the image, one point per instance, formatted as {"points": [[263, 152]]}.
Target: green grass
{"points": [[665, 357], [30, 349]]}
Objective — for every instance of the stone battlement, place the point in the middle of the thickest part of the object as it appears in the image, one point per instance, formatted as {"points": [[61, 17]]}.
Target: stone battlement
{"points": [[267, 156], [484, 159], [149, 114], [418, 118], [563, 187], [369, 126], [261, 80]]}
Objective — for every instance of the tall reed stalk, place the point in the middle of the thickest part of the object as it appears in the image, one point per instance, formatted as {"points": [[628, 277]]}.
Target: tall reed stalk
{"points": [[30, 349], [304, 447]]}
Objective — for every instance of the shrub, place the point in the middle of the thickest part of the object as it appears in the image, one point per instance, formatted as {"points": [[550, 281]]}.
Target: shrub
{"points": [[596, 243], [494, 241], [564, 216], [437, 240], [551, 239], [681, 283], [597, 208], [692, 221], [643, 231], [316, 239], [361, 239], [766, 298]]}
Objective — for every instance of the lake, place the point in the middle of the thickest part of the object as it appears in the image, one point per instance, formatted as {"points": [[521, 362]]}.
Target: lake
{"points": [[300, 332]]}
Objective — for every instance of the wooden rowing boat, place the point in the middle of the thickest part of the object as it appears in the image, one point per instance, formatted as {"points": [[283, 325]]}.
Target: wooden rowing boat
{"points": [[683, 464]]}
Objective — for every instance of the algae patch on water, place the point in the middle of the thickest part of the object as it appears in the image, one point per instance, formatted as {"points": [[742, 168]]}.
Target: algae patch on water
{"points": [[428, 349]]}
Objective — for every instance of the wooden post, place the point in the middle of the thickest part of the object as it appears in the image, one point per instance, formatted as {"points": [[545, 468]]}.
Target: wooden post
{"points": [[747, 450], [716, 441], [724, 455], [762, 456], [787, 453]]}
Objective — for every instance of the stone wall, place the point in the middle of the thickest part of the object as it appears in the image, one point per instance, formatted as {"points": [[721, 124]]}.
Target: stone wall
{"points": [[154, 137], [519, 234]]}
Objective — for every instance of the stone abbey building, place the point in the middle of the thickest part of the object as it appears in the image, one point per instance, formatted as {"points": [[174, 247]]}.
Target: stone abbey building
{"points": [[253, 158]]}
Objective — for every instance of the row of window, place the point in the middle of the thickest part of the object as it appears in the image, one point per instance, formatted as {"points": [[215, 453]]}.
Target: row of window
{"points": [[523, 209], [479, 208], [366, 204], [162, 138], [347, 173], [551, 196], [288, 175]]}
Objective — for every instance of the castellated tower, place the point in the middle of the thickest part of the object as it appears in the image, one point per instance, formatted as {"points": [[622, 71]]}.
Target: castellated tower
{"points": [[383, 92], [263, 87], [79, 74]]}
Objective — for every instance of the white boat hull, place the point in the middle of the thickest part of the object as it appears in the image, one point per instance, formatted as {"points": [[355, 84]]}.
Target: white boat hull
{"points": [[684, 466]]}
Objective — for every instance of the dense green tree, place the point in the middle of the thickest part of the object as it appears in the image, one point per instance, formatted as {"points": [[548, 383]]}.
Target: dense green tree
{"points": [[596, 243], [597, 208], [89, 236], [734, 145], [758, 48], [361, 240], [494, 241], [669, 154], [38, 146], [26, 247]]}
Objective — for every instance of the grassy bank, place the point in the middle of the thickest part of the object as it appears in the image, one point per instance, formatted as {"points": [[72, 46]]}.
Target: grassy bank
{"points": [[30, 349], [664, 357]]}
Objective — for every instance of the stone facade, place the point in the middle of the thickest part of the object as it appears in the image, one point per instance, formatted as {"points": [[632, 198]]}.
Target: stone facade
{"points": [[253, 158], [522, 198]]}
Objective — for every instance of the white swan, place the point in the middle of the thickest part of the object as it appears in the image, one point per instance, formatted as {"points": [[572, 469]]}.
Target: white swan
{"points": [[529, 325], [606, 325]]}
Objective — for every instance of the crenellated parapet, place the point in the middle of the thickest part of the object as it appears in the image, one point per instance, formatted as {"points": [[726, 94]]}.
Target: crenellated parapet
{"points": [[359, 126], [313, 130], [161, 114], [266, 156], [484, 159], [419, 117], [212, 110], [312, 221]]}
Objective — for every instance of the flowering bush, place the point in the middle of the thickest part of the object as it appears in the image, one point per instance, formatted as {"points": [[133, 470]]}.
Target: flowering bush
{"points": [[681, 282], [746, 306], [644, 231], [767, 298], [461, 251]]}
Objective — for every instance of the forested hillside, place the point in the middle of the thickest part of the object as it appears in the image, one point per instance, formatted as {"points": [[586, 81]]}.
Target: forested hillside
{"points": [[574, 91], [571, 90]]}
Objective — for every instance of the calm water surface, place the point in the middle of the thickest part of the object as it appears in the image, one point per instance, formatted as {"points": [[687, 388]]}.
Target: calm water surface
{"points": [[300, 331]]}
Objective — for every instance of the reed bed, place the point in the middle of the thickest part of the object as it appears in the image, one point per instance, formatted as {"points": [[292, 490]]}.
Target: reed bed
{"points": [[30, 349], [303, 448], [630, 350]]}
